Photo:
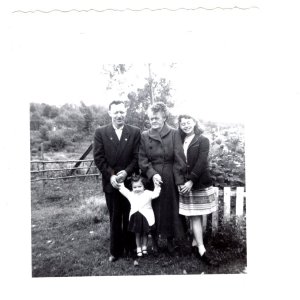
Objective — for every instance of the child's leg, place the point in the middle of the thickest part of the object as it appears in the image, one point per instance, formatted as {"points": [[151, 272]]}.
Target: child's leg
{"points": [[138, 244], [144, 239]]}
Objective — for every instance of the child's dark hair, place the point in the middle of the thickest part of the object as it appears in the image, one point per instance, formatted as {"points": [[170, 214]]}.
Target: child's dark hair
{"points": [[137, 177]]}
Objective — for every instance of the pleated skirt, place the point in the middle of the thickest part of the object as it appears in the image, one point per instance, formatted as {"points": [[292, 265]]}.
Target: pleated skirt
{"points": [[198, 202]]}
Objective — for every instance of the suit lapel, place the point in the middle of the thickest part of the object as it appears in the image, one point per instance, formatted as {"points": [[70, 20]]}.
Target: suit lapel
{"points": [[112, 136], [123, 141]]}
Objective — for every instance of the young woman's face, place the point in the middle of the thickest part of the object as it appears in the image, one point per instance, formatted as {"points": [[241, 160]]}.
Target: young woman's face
{"points": [[187, 125], [137, 187], [157, 120]]}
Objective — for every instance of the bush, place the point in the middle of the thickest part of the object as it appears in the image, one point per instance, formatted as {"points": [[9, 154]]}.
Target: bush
{"points": [[70, 148], [44, 132], [57, 141], [77, 137], [227, 156], [231, 237]]}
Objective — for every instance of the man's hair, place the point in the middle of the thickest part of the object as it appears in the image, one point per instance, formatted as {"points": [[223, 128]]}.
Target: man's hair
{"points": [[115, 102], [159, 107]]}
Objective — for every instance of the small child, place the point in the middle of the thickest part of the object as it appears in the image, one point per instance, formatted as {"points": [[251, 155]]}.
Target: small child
{"points": [[141, 217]]}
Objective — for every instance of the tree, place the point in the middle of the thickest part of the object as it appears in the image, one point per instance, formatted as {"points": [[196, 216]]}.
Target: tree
{"points": [[87, 116], [140, 101], [36, 121]]}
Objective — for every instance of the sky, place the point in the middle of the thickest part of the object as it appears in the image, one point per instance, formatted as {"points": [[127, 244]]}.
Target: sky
{"points": [[60, 59]]}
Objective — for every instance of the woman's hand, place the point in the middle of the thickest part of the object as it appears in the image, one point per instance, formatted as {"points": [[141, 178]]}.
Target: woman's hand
{"points": [[186, 188], [179, 187], [157, 179]]}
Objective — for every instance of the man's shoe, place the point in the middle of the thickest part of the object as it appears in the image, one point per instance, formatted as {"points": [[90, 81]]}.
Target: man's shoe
{"points": [[136, 263], [112, 258], [170, 247]]}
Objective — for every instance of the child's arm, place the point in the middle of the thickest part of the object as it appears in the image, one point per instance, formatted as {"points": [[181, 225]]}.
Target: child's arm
{"points": [[156, 191], [124, 191]]}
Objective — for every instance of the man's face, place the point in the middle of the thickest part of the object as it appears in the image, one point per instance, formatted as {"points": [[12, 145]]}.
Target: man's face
{"points": [[117, 113]]}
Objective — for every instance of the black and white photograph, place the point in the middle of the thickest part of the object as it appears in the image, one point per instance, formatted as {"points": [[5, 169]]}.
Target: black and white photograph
{"points": [[149, 149], [144, 139]]}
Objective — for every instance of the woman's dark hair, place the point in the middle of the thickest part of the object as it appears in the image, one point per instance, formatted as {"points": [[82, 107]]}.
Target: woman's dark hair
{"points": [[197, 130], [159, 107]]}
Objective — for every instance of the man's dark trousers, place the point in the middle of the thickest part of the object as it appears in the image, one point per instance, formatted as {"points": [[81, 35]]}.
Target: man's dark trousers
{"points": [[119, 208]]}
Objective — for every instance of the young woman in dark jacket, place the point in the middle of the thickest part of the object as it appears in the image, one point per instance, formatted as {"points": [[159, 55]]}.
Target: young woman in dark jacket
{"points": [[197, 195]]}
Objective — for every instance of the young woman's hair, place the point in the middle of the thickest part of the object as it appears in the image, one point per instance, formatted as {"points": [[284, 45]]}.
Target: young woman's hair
{"points": [[197, 130], [159, 107]]}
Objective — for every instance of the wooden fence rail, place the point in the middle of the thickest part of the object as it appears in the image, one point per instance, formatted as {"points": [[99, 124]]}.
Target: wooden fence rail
{"points": [[228, 195], [40, 167]]}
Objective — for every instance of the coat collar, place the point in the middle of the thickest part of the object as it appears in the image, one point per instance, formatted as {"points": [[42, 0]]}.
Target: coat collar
{"points": [[159, 135], [195, 140]]}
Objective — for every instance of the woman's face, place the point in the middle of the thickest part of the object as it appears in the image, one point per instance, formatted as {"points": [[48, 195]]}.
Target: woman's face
{"points": [[157, 120], [187, 126]]}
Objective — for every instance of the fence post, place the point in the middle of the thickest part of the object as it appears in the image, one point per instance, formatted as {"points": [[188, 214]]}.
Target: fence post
{"points": [[215, 215], [239, 201], [42, 151], [43, 164], [227, 195]]}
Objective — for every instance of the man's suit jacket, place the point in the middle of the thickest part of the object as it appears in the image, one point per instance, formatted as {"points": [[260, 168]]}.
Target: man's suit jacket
{"points": [[112, 155]]}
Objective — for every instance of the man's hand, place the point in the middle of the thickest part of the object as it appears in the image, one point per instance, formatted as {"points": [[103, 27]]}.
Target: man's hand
{"points": [[114, 182], [186, 188], [121, 176], [157, 179]]}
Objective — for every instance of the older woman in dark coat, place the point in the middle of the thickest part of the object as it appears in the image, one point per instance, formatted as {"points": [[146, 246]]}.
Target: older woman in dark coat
{"points": [[160, 162], [197, 195]]}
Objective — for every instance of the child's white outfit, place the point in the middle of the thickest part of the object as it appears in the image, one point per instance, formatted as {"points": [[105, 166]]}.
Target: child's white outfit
{"points": [[141, 216]]}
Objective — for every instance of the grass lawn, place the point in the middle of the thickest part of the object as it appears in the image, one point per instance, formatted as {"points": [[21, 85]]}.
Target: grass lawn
{"points": [[70, 237]]}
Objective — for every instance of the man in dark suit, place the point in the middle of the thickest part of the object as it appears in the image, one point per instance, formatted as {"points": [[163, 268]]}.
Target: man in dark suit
{"points": [[116, 155]]}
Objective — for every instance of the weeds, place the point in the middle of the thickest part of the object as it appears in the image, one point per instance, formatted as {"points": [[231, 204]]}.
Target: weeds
{"points": [[70, 237]]}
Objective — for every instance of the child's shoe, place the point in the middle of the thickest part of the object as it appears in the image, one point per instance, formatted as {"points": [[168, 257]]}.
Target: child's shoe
{"points": [[139, 252], [144, 250]]}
